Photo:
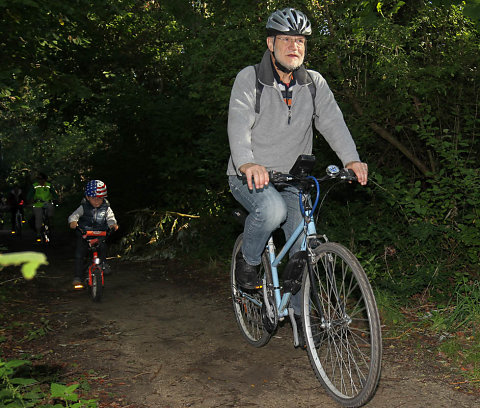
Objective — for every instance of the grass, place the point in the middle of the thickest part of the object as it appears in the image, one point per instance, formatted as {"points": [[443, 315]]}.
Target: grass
{"points": [[451, 332]]}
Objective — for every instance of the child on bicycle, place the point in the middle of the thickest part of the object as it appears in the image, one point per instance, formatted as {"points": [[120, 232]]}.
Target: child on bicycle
{"points": [[94, 214]]}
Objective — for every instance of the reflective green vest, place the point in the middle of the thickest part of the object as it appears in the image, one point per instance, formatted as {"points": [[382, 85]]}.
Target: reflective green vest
{"points": [[42, 194]]}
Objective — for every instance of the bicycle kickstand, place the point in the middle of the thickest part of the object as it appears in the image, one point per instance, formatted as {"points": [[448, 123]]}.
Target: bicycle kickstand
{"points": [[291, 314]]}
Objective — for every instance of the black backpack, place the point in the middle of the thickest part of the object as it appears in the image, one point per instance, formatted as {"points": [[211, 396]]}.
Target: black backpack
{"points": [[259, 89]]}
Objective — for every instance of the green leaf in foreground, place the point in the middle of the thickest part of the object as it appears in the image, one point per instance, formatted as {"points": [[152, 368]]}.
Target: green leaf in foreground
{"points": [[29, 262]]}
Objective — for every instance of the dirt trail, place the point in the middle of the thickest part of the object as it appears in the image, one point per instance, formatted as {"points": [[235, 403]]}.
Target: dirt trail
{"points": [[165, 337]]}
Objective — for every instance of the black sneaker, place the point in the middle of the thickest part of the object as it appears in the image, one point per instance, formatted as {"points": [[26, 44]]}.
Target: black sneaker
{"points": [[246, 275], [77, 283]]}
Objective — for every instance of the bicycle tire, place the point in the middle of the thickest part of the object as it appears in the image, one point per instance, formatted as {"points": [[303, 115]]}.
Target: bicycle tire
{"points": [[96, 290], [341, 326], [18, 224], [247, 305], [45, 234]]}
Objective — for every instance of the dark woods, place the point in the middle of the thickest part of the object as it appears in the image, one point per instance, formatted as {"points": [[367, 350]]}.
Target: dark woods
{"points": [[136, 94]]}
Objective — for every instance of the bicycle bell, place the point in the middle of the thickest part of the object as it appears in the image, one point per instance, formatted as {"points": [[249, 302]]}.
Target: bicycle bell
{"points": [[332, 170]]}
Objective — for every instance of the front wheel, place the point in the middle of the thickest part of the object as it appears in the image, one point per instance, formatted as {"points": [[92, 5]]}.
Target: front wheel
{"points": [[96, 289], [247, 304], [342, 326]]}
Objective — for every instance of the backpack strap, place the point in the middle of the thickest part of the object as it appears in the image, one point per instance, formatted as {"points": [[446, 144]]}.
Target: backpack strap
{"points": [[259, 88], [313, 92]]}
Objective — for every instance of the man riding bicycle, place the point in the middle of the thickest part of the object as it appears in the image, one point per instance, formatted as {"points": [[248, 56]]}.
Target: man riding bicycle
{"points": [[42, 194], [272, 107]]}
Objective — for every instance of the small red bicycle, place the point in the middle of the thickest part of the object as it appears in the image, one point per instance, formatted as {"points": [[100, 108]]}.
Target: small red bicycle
{"points": [[95, 276]]}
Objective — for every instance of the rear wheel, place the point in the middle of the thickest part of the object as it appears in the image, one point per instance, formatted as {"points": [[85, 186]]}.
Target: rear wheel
{"points": [[96, 290], [247, 304], [18, 224], [45, 234], [342, 326]]}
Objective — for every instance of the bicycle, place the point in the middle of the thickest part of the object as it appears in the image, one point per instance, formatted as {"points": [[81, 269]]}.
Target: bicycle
{"points": [[45, 230], [94, 269], [340, 319]]}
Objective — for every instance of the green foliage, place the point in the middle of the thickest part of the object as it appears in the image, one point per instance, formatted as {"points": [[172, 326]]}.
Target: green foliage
{"points": [[40, 331], [18, 391], [146, 111], [29, 262], [157, 235], [465, 354], [389, 309], [168, 235], [462, 312]]}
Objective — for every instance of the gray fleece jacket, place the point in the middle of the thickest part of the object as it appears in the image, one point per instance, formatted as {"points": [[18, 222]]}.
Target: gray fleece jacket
{"points": [[267, 138]]}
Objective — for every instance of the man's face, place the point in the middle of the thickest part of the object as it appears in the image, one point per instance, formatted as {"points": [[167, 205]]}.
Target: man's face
{"points": [[95, 201], [289, 50]]}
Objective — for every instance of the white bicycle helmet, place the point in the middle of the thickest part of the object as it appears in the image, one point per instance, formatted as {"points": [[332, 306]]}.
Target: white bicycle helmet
{"points": [[289, 22]]}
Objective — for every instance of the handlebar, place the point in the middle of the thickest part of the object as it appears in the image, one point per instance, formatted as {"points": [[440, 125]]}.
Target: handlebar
{"points": [[307, 182], [93, 234], [333, 172]]}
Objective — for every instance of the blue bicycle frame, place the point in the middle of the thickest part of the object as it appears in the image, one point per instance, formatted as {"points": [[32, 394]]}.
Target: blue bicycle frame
{"points": [[306, 226]]}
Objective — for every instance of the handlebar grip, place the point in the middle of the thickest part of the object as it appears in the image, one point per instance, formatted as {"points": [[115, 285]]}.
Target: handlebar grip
{"points": [[347, 174], [276, 177], [271, 176]]}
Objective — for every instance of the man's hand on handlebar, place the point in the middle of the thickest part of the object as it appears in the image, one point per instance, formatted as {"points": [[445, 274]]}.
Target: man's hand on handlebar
{"points": [[258, 173], [361, 171]]}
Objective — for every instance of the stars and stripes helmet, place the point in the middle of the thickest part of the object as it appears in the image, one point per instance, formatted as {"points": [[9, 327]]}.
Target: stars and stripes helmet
{"points": [[289, 22], [96, 188]]}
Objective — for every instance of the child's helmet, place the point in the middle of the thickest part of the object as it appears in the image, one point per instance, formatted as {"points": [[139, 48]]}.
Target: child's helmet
{"points": [[96, 188]]}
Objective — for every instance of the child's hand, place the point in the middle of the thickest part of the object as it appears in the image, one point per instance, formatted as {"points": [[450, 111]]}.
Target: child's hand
{"points": [[114, 227], [73, 224]]}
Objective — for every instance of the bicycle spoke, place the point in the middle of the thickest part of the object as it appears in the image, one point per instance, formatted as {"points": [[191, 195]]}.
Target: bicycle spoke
{"points": [[343, 341]]}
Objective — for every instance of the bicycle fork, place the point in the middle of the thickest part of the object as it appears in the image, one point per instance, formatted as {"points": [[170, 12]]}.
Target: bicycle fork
{"points": [[92, 268]]}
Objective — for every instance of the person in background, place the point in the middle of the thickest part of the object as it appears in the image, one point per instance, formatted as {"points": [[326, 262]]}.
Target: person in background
{"points": [[93, 214], [42, 195], [16, 201]]}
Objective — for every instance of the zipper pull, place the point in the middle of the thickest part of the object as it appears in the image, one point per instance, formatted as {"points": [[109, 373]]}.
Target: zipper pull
{"points": [[289, 115]]}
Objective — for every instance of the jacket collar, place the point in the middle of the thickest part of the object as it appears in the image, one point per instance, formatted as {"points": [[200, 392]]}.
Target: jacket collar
{"points": [[265, 72]]}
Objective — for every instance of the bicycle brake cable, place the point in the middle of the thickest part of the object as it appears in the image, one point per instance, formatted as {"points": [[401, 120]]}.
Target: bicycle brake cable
{"points": [[302, 209], [323, 200]]}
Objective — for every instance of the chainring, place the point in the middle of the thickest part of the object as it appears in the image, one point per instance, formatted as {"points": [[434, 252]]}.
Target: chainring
{"points": [[270, 317]]}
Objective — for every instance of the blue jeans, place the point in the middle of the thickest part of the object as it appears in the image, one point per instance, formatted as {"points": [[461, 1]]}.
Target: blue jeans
{"points": [[268, 209]]}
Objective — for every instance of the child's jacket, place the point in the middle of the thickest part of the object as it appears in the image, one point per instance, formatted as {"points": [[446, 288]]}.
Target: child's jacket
{"points": [[93, 219]]}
